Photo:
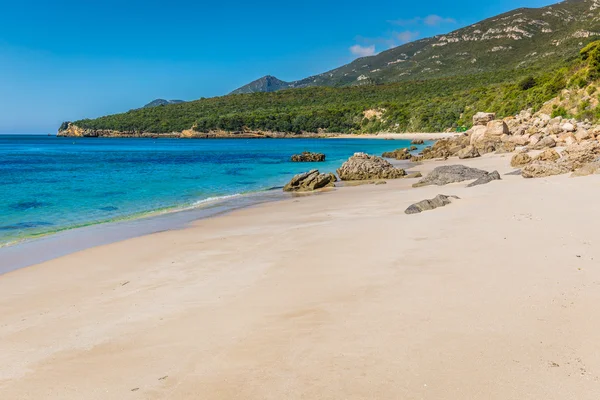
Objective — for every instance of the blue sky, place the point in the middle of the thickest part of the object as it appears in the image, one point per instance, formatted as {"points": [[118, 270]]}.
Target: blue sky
{"points": [[66, 60]]}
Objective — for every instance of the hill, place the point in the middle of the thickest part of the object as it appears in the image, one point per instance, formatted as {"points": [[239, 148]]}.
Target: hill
{"points": [[265, 84], [505, 64], [525, 38], [162, 102]]}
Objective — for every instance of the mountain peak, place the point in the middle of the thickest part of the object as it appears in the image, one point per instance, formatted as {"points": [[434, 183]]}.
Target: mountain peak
{"points": [[162, 102], [267, 83]]}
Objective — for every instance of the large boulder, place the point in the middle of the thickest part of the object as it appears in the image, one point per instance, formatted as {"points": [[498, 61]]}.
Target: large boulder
{"points": [[543, 143], [418, 141], [399, 154], [540, 169], [569, 127], [310, 181], [468, 152], [362, 166], [482, 118], [587, 169], [425, 205], [583, 134], [578, 154], [520, 159], [547, 155], [476, 134], [506, 147], [308, 157], [492, 176], [497, 128], [449, 174]]}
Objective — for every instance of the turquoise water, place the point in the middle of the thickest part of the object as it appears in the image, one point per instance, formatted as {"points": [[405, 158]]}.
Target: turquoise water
{"points": [[48, 184]]}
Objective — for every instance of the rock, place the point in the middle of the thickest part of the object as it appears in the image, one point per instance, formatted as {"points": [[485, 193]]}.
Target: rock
{"points": [[497, 128], [414, 175], [418, 141], [576, 155], [482, 118], [519, 140], [583, 134], [468, 152], [362, 166], [412, 148], [540, 169], [310, 181], [554, 129], [476, 134], [308, 157], [520, 159], [506, 147], [450, 174], [568, 127], [592, 168], [438, 201], [547, 155], [492, 176], [543, 143], [399, 154]]}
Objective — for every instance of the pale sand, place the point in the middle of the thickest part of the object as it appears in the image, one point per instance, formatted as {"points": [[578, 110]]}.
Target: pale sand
{"points": [[400, 136], [333, 296]]}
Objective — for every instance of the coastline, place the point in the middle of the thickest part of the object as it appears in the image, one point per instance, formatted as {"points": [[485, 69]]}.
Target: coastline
{"points": [[45, 247], [267, 302]]}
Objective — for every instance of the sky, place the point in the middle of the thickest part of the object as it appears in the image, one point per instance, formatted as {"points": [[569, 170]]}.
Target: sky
{"points": [[65, 60]]}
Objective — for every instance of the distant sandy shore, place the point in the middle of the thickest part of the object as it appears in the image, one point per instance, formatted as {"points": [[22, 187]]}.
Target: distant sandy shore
{"points": [[399, 136], [338, 295]]}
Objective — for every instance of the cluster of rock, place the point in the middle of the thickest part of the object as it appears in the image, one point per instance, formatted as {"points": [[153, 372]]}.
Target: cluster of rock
{"points": [[308, 157], [362, 166], [525, 132], [310, 181], [399, 154], [425, 205]]}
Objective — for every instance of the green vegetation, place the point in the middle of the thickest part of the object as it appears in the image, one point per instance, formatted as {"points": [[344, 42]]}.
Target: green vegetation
{"points": [[430, 105]]}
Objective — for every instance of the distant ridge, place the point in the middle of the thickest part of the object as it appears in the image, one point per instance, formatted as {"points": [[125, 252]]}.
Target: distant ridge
{"points": [[162, 102], [265, 84], [524, 38]]}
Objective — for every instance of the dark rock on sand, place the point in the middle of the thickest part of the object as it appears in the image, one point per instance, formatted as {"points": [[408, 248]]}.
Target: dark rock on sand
{"points": [[308, 157], [310, 181], [450, 174], [492, 176], [425, 205]]}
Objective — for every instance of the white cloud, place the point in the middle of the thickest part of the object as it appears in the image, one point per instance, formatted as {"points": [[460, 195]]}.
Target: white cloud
{"points": [[436, 20], [430, 20], [407, 36], [362, 51]]}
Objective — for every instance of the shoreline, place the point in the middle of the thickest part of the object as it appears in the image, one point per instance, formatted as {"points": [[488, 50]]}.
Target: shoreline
{"points": [[297, 298], [44, 247], [400, 136], [38, 248]]}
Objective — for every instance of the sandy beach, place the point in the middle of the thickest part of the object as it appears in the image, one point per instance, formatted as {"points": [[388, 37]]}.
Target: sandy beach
{"points": [[338, 295], [400, 136]]}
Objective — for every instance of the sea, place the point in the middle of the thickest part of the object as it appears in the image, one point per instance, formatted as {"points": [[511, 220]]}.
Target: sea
{"points": [[50, 184]]}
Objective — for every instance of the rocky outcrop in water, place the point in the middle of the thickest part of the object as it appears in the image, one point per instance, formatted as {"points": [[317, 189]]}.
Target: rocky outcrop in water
{"points": [[426, 205], [308, 157], [362, 166], [310, 181]]}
